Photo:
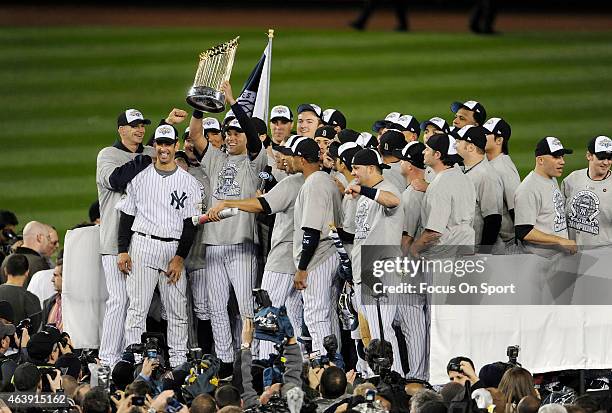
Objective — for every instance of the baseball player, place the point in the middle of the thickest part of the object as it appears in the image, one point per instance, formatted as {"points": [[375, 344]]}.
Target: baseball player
{"points": [[379, 221], [231, 250], [280, 267], [281, 123], [432, 126], [335, 119], [323, 137], [343, 158], [390, 142], [317, 205], [195, 263], [413, 168], [309, 119], [587, 191], [156, 228], [409, 126], [539, 207], [468, 113], [116, 166], [212, 132], [471, 143], [448, 205], [497, 154]]}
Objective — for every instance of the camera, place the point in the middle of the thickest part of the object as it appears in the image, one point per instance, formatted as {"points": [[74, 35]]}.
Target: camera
{"points": [[453, 366], [267, 324], [173, 405], [370, 395], [26, 323], [138, 400], [512, 352]]}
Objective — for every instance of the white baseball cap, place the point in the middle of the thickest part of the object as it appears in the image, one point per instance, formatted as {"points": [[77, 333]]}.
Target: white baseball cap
{"points": [[281, 112]]}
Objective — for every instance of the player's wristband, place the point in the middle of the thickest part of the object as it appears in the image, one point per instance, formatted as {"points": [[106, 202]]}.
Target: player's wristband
{"points": [[369, 192], [198, 114]]}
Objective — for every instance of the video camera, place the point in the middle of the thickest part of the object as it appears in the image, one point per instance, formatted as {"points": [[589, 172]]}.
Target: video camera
{"points": [[512, 352], [330, 344], [267, 324]]}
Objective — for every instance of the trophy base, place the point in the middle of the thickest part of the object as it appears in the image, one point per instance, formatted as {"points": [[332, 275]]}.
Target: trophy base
{"points": [[206, 99]]}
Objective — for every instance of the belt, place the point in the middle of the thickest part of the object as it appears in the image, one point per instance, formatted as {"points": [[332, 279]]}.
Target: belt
{"points": [[157, 238]]}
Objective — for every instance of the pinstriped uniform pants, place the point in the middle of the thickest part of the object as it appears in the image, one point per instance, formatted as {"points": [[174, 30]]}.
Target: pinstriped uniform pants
{"points": [[141, 282], [280, 289], [234, 265], [112, 343]]}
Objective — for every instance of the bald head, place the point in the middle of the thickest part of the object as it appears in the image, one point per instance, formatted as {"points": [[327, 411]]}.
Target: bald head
{"points": [[36, 236]]}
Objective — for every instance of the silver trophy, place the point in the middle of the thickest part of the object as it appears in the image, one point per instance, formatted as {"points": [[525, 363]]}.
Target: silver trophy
{"points": [[214, 68]]}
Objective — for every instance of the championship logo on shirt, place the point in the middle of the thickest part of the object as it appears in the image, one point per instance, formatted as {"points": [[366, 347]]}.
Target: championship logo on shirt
{"points": [[560, 222], [584, 207], [362, 228], [226, 182]]}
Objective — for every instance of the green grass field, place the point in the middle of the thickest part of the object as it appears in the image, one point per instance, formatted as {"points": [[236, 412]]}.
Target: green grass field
{"points": [[62, 89]]}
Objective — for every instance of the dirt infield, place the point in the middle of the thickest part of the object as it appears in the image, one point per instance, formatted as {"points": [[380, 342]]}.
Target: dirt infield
{"points": [[286, 18]]}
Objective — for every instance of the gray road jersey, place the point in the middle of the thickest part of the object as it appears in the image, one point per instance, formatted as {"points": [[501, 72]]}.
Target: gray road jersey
{"points": [[539, 202], [489, 194], [412, 203], [394, 176], [588, 208], [318, 204], [510, 181], [232, 177], [282, 200], [108, 160], [277, 173], [349, 210], [448, 208], [196, 258], [377, 225], [430, 174]]}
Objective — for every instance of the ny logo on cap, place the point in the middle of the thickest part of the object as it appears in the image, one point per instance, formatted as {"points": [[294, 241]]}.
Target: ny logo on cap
{"points": [[179, 200]]}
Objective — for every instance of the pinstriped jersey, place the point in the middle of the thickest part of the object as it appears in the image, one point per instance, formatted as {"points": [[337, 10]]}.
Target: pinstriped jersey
{"points": [[160, 201], [108, 160], [232, 177]]}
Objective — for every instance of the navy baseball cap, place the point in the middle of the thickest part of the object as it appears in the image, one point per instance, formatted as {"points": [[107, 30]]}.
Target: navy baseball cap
{"points": [[551, 146], [366, 140], [406, 123], [480, 114], [443, 143], [498, 127], [368, 157], [390, 141], [310, 107], [334, 117], [327, 132], [346, 153], [211, 124], [347, 135], [384, 123], [260, 126], [600, 144], [332, 149], [166, 134], [281, 112], [413, 153], [233, 124], [472, 134], [439, 123], [285, 148], [132, 117], [306, 148]]}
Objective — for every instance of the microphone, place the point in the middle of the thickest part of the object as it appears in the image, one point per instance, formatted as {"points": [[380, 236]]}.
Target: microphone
{"points": [[225, 213]]}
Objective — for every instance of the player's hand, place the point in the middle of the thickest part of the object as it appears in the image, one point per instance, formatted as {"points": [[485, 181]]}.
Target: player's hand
{"points": [[175, 268], [299, 280], [213, 213], [569, 246], [413, 252], [419, 185], [353, 190], [341, 187], [226, 89], [176, 116], [247, 330], [124, 262]]}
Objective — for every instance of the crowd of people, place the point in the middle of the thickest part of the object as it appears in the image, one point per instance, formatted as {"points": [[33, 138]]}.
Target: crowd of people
{"points": [[287, 215]]}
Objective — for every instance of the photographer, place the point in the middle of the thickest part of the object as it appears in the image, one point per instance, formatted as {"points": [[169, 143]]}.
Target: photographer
{"points": [[24, 303], [461, 369], [291, 352], [7, 366], [44, 349]]}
